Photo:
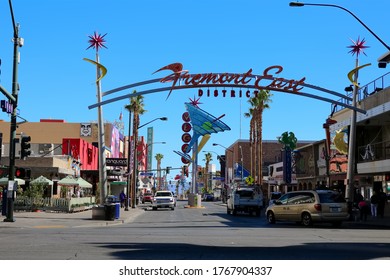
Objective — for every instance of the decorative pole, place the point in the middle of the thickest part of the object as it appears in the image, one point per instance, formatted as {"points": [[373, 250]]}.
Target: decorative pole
{"points": [[96, 41], [357, 48]]}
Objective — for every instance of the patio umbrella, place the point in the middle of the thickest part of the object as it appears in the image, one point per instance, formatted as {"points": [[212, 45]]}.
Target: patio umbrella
{"points": [[68, 181], [4, 181], [42, 180], [83, 183]]}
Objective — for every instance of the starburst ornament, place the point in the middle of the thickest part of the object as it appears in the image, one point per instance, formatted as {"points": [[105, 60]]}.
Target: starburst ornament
{"points": [[358, 47], [97, 41], [195, 102]]}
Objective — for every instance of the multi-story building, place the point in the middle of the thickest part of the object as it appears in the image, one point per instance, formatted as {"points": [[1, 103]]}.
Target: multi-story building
{"points": [[237, 162], [59, 148], [372, 148]]}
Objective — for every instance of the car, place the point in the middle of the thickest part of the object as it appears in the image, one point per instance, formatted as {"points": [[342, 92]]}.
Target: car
{"points": [[208, 197], [164, 199], [147, 197], [274, 196], [308, 207]]}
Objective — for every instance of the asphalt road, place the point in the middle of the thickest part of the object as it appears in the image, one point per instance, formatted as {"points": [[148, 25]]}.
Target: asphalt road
{"points": [[207, 233]]}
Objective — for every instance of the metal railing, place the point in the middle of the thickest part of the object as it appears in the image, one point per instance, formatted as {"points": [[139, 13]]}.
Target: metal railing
{"points": [[365, 91], [53, 204], [374, 152]]}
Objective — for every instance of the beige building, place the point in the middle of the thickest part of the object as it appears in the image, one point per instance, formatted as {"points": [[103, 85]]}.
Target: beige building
{"points": [[47, 156]]}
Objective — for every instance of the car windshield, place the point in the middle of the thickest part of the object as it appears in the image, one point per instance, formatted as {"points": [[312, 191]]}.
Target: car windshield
{"points": [[331, 197], [163, 194]]}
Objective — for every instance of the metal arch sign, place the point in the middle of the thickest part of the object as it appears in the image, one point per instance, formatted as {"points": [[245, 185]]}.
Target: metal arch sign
{"points": [[269, 80]]}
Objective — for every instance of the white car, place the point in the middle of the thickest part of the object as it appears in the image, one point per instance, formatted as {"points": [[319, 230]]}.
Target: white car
{"points": [[164, 199]]}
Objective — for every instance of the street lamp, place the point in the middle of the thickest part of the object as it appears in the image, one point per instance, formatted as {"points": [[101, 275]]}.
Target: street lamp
{"points": [[133, 189], [383, 59], [216, 144], [162, 119], [352, 134]]}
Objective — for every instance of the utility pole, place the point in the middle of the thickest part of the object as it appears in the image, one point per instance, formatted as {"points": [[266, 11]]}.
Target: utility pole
{"points": [[13, 98]]}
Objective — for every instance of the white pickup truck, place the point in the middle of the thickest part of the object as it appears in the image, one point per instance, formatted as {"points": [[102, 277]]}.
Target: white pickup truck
{"points": [[246, 200]]}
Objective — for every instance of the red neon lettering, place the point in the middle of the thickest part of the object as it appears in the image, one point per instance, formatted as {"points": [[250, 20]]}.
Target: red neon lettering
{"points": [[237, 79]]}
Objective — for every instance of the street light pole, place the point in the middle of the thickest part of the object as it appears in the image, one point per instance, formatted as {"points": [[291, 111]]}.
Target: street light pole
{"points": [[18, 42], [128, 164], [242, 165]]}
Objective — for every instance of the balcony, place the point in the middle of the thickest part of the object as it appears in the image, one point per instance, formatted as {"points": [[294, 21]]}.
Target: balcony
{"points": [[366, 91]]}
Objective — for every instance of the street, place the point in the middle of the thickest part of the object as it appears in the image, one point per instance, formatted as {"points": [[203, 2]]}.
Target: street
{"points": [[206, 233]]}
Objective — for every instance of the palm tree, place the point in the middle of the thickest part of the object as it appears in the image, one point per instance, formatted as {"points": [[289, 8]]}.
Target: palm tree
{"points": [[258, 104], [136, 106], [207, 157], [159, 157]]}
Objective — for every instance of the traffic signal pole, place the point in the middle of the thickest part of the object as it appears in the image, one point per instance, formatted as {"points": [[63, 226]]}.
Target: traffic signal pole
{"points": [[18, 42]]}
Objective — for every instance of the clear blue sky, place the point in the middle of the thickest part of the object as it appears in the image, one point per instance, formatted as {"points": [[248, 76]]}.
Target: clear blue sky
{"points": [[205, 36]]}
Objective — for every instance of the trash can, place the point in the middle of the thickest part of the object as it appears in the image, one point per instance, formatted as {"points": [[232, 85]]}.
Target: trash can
{"points": [[109, 212], [117, 210], [115, 202]]}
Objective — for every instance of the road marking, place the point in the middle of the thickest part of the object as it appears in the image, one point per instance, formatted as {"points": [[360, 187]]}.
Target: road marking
{"points": [[53, 226]]}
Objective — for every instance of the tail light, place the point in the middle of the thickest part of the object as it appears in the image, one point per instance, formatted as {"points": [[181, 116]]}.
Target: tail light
{"points": [[318, 207]]}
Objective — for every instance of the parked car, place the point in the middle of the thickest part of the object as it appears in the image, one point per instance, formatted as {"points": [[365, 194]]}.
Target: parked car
{"points": [[147, 197], [208, 197], [308, 207], [164, 199], [245, 199]]}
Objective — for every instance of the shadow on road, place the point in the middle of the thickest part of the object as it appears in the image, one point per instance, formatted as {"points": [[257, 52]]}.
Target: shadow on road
{"points": [[308, 251]]}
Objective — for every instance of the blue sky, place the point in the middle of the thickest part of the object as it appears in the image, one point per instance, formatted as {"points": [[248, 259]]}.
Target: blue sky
{"points": [[205, 36]]}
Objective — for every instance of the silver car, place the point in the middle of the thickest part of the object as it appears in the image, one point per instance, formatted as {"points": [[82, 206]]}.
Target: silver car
{"points": [[308, 207]]}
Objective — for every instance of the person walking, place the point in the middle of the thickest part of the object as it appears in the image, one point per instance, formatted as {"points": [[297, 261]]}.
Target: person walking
{"points": [[364, 209], [122, 198], [374, 204]]}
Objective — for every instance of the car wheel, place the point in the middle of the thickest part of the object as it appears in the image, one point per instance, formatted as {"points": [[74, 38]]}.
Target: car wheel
{"points": [[270, 217], [306, 219], [172, 208], [154, 208], [228, 211]]}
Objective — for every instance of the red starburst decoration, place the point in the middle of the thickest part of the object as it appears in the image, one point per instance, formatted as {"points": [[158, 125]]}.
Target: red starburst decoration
{"points": [[97, 41], [195, 102], [358, 47]]}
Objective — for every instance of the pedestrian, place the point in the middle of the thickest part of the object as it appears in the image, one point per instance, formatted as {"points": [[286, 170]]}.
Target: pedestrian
{"points": [[374, 204], [122, 198], [381, 203], [364, 209]]}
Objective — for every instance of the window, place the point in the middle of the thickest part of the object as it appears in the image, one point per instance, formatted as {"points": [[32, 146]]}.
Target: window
{"points": [[301, 198]]}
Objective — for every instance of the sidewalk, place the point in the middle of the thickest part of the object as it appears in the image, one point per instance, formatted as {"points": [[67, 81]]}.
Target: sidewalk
{"points": [[65, 220]]}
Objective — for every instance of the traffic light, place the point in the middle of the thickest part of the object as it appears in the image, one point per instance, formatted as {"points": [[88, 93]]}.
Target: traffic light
{"points": [[25, 147], [167, 169], [185, 167], [20, 172], [23, 173]]}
